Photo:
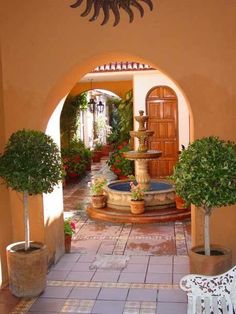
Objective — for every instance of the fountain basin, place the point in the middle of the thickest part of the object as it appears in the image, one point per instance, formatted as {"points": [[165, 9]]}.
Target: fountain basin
{"points": [[136, 155], [160, 195]]}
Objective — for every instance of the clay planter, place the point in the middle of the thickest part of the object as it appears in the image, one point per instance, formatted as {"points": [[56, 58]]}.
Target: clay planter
{"points": [[106, 150], [99, 201], [67, 243], [179, 202], [97, 155], [137, 207], [27, 270], [88, 166], [122, 177], [210, 265]]}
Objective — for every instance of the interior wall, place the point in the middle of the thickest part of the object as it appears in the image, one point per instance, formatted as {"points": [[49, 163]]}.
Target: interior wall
{"points": [[47, 47], [143, 82]]}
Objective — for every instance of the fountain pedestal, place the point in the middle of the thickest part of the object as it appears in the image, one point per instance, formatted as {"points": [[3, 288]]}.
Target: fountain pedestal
{"points": [[142, 175]]}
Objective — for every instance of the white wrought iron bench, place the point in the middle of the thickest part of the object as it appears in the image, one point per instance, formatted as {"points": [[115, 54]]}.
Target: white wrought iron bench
{"points": [[211, 294]]}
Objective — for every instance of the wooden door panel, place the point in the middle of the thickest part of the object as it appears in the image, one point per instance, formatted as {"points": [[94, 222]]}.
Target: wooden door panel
{"points": [[156, 93], [169, 149], [155, 145], [163, 130], [171, 132], [155, 110], [162, 112], [168, 93], [169, 110], [154, 127]]}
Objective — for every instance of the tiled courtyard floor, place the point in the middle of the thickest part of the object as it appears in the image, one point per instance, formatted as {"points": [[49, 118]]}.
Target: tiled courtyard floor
{"points": [[114, 268]]}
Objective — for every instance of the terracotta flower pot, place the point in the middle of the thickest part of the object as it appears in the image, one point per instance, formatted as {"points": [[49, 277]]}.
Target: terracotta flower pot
{"points": [[99, 201], [210, 265], [27, 270], [67, 243], [179, 202], [97, 155], [137, 207], [88, 166], [122, 177], [106, 150]]}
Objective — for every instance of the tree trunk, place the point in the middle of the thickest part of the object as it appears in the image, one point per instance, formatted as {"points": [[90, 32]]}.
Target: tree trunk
{"points": [[207, 231], [26, 220]]}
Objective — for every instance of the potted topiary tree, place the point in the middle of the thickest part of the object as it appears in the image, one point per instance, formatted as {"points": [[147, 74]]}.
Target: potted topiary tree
{"points": [[205, 176], [31, 165]]}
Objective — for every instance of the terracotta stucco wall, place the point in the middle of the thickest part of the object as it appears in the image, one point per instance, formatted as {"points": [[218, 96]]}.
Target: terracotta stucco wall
{"points": [[47, 47], [5, 212], [120, 88]]}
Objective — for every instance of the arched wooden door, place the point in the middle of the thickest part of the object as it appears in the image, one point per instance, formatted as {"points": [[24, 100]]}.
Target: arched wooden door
{"points": [[162, 109]]}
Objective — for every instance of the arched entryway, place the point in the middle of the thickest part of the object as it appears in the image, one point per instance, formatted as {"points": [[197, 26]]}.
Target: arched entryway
{"points": [[147, 82], [162, 109]]}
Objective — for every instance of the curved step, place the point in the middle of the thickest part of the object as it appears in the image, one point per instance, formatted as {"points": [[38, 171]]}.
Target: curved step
{"points": [[150, 216]]}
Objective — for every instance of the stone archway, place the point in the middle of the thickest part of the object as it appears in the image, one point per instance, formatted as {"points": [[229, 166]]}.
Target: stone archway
{"points": [[51, 212]]}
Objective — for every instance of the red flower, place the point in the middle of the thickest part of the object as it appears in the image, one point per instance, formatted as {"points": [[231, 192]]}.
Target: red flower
{"points": [[72, 224]]}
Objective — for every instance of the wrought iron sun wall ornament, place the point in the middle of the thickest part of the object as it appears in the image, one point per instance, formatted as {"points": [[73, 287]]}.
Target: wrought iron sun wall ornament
{"points": [[113, 6]]}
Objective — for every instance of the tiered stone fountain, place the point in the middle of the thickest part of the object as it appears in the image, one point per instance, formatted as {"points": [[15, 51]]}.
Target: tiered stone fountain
{"points": [[159, 195]]}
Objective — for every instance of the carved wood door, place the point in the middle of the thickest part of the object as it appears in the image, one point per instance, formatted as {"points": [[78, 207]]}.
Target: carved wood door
{"points": [[162, 109]]}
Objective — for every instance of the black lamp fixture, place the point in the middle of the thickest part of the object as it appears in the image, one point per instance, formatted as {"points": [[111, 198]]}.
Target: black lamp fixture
{"points": [[100, 107], [113, 6], [93, 106]]}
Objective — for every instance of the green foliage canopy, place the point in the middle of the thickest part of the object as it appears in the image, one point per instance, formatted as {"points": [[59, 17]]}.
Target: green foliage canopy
{"points": [[205, 174], [70, 114], [31, 162], [121, 118]]}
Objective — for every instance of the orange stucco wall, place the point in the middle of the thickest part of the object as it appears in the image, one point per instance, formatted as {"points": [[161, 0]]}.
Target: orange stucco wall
{"points": [[5, 212], [47, 47], [120, 88]]}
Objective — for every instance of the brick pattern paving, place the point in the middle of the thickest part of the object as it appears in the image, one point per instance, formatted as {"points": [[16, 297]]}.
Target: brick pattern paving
{"points": [[115, 268]]}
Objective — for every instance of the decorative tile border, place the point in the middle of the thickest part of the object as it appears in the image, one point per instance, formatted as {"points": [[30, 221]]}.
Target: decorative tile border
{"points": [[77, 306], [88, 284], [86, 306], [23, 306]]}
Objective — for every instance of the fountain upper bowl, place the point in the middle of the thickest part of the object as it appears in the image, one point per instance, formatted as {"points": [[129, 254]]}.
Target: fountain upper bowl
{"points": [[150, 154]]}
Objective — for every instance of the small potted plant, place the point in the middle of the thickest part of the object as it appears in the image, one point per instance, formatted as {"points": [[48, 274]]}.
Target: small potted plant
{"points": [[69, 230], [205, 177], [137, 203], [31, 165], [97, 150], [97, 191]]}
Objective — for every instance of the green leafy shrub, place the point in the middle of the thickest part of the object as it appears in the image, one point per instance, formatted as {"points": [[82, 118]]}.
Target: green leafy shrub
{"points": [[69, 122], [119, 164], [121, 119], [205, 176], [30, 164], [76, 157]]}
